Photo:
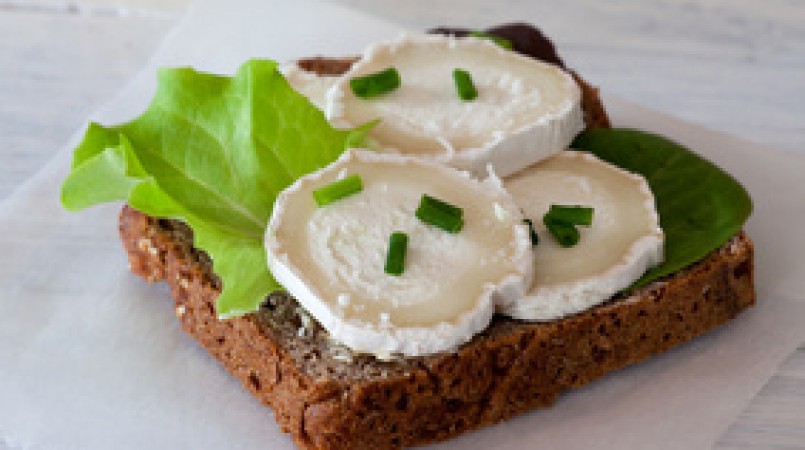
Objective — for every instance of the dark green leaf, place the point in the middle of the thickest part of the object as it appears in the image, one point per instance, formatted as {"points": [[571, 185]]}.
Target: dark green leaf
{"points": [[700, 205]]}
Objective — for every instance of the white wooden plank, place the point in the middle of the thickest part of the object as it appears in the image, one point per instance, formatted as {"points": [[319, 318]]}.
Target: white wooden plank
{"points": [[776, 416], [57, 68]]}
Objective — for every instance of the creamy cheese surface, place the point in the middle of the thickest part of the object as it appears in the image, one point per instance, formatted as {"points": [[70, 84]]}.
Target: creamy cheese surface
{"points": [[525, 109], [624, 240], [332, 257]]}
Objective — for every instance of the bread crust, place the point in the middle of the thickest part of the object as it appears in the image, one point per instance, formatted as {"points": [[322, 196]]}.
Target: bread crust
{"points": [[329, 399], [510, 368]]}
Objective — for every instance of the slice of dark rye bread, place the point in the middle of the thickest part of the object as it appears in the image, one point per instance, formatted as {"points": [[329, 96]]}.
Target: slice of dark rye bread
{"points": [[328, 398]]}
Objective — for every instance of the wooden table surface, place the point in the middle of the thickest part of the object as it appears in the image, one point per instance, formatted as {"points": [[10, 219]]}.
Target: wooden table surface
{"points": [[736, 66]]}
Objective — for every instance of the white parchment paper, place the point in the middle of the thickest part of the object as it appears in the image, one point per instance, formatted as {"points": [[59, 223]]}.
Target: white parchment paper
{"points": [[92, 357]]}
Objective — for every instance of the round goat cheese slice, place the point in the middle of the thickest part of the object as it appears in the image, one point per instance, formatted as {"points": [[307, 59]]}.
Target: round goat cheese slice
{"points": [[525, 110], [332, 257], [624, 240]]}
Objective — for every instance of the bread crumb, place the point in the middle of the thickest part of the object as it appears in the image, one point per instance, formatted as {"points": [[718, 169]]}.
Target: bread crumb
{"points": [[180, 310], [183, 282], [307, 322], [735, 246], [341, 353], [145, 245]]}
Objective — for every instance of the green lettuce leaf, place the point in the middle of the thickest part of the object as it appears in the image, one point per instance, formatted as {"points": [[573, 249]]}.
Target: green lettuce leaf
{"points": [[700, 206], [213, 151]]}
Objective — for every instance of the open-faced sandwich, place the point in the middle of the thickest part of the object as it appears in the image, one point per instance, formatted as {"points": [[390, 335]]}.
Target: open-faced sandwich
{"points": [[394, 249]]}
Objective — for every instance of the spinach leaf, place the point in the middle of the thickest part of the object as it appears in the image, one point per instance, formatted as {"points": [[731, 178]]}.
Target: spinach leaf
{"points": [[700, 205]]}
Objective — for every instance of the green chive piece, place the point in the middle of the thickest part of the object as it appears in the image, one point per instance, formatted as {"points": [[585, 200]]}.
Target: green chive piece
{"points": [[532, 232], [375, 84], [395, 258], [572, 214], [565, 233], [561, 221], [501, 42], [464, 85], [440, 214], [440, 219], [432, 202], [337, 190]]}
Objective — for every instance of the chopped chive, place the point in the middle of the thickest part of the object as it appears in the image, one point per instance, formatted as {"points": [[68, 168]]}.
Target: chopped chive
{"points": [[432, 202], [464, 85], [565, 233], [501, 42], [561, 221], [440, 219], [337, 190], [531, 232], [375, 84], [572, 214], [395, 258], [440, 214]]}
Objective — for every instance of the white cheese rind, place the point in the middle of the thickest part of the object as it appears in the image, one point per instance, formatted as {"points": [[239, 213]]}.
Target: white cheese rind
{"points": [[372, 312], [624, 241], [526, 110], [309, 84]]}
